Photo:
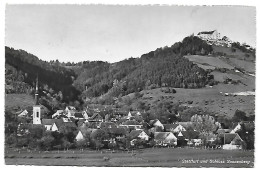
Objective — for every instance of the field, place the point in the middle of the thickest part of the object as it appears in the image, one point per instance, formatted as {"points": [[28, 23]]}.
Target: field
{"points": [[208, 61], [209, 98], [152, 157]]}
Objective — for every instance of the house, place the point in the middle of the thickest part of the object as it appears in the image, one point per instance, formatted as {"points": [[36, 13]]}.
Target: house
{"points": [[247, 125], [51, 124], [78, 115], [156, 123], [107, 125], [221, 131], [70, 111], [96, 117], [191, 137], [132, 125], [83, 133], [235, 128], [165, 138], [57, 114], [79, 136], [23, 113], [231, 141], [117, 133], [209, 35], [85, 115], [138, 134], [175, 128]]}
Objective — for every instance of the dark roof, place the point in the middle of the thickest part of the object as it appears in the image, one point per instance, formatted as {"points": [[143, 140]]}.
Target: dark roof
{"points": [[206, 32], [95, 116], [117, 131], [80, 122], [134, 133], [122, 120], [51, 121], [69, 124], [229, 137], [190, 134], [78, 115], [220, 131], [161, 135], [93, 125], [153, 122], [107, 125], [131, 122]]}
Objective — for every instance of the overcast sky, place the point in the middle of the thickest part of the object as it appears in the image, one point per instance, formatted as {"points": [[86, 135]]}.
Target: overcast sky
{"points": [[113, 33]]}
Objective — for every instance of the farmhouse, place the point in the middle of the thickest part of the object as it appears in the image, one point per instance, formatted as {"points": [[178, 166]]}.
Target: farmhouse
{"points": [[23, 113], [96, 117], [165, 138], [138, 134], [191, 137], [231, 141], [175, 128]]}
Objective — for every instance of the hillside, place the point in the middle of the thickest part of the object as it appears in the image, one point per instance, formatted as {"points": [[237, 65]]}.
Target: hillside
{"points": [[201, 72]]}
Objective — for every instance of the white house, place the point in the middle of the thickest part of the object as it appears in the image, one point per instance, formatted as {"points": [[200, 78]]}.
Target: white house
{"points": [[165, 138], [23, 113], [156, 123], [175, 128], [79, 136]]}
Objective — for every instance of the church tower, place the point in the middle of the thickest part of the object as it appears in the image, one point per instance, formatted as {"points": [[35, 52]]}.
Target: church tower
{"points": [[36, 107]]}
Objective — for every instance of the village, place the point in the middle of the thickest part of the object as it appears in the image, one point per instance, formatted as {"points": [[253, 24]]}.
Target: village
{"points": [[91, 128]]}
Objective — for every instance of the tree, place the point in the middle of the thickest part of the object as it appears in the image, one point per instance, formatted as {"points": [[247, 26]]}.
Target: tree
{"points": [[46, 141], [239, 116]]}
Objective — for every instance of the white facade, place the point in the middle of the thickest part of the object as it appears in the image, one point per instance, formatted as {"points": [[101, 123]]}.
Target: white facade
{"points": [[79, 136], [178, 129], [37, 114], [143, 136]]}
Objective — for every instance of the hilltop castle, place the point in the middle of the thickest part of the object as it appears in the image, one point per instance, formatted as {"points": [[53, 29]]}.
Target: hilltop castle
{"points": [[214, 37]]}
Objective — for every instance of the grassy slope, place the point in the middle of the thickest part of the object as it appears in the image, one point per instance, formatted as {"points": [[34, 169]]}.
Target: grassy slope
{"points": [[208, 98], [18, 100]]}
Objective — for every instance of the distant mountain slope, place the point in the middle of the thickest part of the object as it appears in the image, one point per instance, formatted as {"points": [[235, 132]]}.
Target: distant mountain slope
{"points": [[29, 67]]}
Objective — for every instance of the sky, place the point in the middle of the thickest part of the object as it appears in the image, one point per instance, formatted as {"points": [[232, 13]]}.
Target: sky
{"points": [[112, 32]]}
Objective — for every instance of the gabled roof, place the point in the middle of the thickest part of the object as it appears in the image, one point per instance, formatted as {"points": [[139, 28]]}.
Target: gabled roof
{"points": [[71, 107], [206, 32], [220, 131], [117, 131], [58, 122], [162, 135], [229, 137], [81, 122], [107, 125], [48, 121], [69, 124], [78, 115], [135, 133], [168, 127], [131, 122], [152, 122], [95, 116], [190, 134]]}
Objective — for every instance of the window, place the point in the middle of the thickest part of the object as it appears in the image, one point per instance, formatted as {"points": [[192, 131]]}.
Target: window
{"points": [[37, 114]]}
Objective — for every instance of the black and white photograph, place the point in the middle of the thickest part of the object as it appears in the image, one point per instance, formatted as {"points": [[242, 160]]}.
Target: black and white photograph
{"points": [[129, 85]]}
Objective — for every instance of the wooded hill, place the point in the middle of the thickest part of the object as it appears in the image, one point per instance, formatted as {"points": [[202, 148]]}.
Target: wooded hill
{"points": [[162, 67]]}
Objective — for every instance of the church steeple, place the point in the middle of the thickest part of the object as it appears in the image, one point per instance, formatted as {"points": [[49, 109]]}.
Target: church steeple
{"points": [[37, 108], [36, 92]]}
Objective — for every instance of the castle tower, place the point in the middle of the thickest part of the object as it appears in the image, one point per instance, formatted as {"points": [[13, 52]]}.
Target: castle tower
{"points": [[36, 107]]}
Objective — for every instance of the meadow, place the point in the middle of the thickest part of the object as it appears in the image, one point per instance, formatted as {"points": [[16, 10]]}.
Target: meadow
{"points": [[149, 157]]}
